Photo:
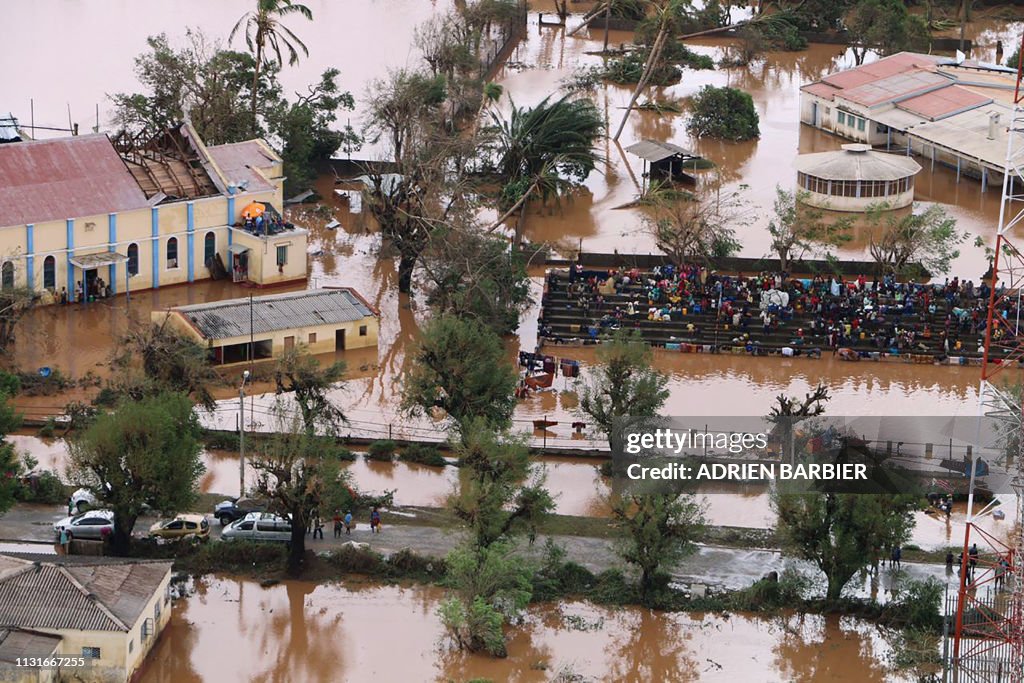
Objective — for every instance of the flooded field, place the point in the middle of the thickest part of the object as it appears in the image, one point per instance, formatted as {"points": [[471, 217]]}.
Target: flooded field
{"points": [[303, 631]]}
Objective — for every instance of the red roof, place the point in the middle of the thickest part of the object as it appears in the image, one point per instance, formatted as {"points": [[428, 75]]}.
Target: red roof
{"points": [[46, 180], [944, 102], [895, 87], [821, 90], [883, 68]]}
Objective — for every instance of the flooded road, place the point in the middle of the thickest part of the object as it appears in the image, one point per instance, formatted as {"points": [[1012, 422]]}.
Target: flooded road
{"points": [[575, 483], [303, 631]]}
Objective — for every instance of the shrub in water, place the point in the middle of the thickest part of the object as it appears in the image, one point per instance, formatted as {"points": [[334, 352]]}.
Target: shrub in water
{"points": [[383, 449], [423, 454]]}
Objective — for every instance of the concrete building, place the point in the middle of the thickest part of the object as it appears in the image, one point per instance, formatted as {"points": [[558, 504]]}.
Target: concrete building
{"points": [[162, 209], [855, 177], [107, 612], [323, 320], [949, 112]]}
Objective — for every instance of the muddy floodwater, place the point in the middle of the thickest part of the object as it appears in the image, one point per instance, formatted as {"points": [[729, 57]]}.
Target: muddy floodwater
{"points": [[232, 629]]}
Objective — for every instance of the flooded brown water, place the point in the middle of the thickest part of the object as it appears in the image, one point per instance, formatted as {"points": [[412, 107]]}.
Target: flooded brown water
{"points": [[232, 629]]}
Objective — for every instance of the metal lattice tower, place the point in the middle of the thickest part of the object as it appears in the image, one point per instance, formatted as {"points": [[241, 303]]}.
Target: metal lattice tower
{"points": [[988, 641]]}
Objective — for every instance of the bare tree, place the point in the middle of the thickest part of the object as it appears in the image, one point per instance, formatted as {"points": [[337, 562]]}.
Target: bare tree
{"points": [[690, 228]]}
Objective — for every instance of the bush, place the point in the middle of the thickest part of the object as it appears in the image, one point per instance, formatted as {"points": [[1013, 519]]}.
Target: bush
{"points": [[725, 113], [222, 441], [351, 558], [341, 453], [612, 588], [107, 397], [41, 487], [49, 428], [628, 68], [916, 605], [235, 556], [410, 565], [383, 449], [423, 454], [767, 594]]}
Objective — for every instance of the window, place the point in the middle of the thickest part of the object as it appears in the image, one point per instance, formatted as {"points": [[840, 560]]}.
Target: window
{"points": [[850, 120], [362, 330], [91, 652], [282, 255], [7, 280], [131, 645], [172, 252], [156, 612], [176, 524], [860, 125], [209, 248], [312, 337], [842, 118], [133, 259], [50, 272], [245, 526], [289, 343], [147, 629]]}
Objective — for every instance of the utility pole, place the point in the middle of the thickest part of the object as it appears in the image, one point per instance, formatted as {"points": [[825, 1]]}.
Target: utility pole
{"points": [[241, 435]]}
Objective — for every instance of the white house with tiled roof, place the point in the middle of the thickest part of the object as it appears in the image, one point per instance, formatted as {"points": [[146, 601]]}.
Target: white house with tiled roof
{"points": [[949, 112], [106, 612]]}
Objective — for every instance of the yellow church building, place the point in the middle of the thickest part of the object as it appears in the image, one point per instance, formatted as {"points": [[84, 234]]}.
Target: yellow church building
{"points": [[90, 215]]}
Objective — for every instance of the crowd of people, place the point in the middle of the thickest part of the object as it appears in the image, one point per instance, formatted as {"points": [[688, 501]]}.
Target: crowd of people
{"points": [[880, 313]]}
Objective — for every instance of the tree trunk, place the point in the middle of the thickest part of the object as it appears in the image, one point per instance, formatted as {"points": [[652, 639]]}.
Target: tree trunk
{"points": [[297, 547], [121, 539], [256, 81], [406, 265], [652, 59]]}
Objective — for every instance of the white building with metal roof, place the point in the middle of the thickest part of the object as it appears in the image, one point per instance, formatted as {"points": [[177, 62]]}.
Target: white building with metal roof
{"points": [[856, 177], [237, 330]]}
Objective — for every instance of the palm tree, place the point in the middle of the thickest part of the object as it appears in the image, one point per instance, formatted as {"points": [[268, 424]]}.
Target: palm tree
{"points": [[545, 149], [263, 28]]}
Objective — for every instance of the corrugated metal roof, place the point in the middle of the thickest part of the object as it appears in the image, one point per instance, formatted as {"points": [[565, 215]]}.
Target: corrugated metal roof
{"points": [[238, 160], [9, 128], [944, 102], [850, 164], [656, 150], [105, 596], [895, 87], [967, 133], [883, 68], [224, 319], [46, 180], [19, 643], [821, 89]]}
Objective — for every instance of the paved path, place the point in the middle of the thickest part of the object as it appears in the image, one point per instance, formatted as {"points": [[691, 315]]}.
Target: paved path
{"points": [[722, 567]]}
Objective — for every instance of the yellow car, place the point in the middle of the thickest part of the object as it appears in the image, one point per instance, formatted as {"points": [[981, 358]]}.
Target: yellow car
{"points": [[181, 526]]}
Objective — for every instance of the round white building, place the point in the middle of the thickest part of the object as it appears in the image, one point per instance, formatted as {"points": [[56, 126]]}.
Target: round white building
{"points": [[855, 177]]}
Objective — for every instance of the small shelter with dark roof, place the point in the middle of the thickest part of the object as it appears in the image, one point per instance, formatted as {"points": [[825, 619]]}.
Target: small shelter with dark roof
{"points": [[855, 177], [108, 611], [237, 330], [665, 159]]}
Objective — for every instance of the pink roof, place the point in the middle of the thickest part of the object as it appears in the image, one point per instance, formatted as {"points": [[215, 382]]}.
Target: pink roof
{"points": [[820, 89], [46, 180], [944, 102], [883, 68], [895, 87]]}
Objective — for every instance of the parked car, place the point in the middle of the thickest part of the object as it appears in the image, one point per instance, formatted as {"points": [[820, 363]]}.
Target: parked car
{"points": [[81, 500], [259, 526], [230, 510], [181, 526], [92, 524]]}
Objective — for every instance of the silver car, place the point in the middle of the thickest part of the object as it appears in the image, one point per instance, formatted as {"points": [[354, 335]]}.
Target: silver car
{"points": [[92, 524], [259, 526]]}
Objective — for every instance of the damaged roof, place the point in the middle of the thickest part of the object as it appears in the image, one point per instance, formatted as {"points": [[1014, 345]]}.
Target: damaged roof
{"points": [[313, 308]]}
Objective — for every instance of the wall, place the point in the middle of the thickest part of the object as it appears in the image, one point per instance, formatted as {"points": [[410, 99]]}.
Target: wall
{"points": [[857, 204], [325, 337], [263, 267], [140, 648], [92, 234]]}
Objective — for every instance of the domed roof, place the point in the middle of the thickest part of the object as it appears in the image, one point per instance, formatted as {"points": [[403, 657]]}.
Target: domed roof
{"points": [[856, 162]]}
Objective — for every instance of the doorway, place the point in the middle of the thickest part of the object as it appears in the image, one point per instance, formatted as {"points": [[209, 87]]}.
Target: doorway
{"points": [[339, 340], [89, 283]]}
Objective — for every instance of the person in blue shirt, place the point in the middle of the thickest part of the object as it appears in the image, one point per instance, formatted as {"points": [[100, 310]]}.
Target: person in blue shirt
{"points": [[348, 523]]}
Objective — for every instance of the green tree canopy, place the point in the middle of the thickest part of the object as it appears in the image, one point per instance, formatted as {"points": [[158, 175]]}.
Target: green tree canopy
{"points": [[724, 113], [887, 26], [623, 383], [842, 533], [798, 228], [10, 420], [169, 363], [144, 453], [658, 530], [310, 384], [900, 239], [461, 367]]}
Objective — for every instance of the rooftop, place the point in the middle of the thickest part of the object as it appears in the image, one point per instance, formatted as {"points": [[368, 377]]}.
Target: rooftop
{"points": [[231, 318], [98, 595], [656, 150], [939, 104], [74, 177], [856, 162], [239, 161], [17, 643]]}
